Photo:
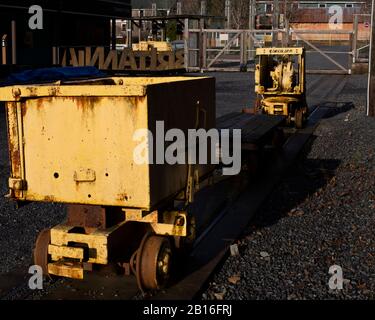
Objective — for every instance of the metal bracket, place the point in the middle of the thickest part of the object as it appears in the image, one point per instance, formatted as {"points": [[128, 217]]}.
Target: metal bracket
{"points": [[173, 223], [17, 184]]}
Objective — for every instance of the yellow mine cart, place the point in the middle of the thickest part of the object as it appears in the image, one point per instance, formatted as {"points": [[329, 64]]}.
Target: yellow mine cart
{"points": [[280, 83], [74, 143]]}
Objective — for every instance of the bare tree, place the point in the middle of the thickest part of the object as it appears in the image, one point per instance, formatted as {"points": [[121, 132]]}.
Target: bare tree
{"points": [[366, 8], [191, 6], [216, 7], [240, 14], [290, 10]]}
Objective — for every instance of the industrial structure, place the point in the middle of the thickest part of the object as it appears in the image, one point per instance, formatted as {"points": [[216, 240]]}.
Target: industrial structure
{"points": [[66, 23]]}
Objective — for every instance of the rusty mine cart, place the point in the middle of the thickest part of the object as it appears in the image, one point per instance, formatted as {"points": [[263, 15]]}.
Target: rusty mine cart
{"points": [[280, 84], [73, 142]]}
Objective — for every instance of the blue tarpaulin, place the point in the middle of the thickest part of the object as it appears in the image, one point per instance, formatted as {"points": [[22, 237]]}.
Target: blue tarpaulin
{"points": [[52, 74]]}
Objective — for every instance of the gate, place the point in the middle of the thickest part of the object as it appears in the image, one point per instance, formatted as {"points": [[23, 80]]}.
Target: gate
{"points": [[361, 37], [327, 51]]}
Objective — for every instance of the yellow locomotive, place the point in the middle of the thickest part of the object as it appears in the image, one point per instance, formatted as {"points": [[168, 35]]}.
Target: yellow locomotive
{"points": [[280, 84]]}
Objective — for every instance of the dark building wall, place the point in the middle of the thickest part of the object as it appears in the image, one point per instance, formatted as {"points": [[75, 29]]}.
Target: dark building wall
{"points": [[65, 23]]}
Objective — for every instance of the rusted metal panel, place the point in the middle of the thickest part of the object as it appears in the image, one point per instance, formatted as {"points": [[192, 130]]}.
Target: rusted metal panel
{"points": [[93, 217], [76, 144], [16, 93], [86, 216], [16, 181]]}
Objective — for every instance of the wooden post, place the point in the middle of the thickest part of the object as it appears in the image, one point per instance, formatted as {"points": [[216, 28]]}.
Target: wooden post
{"points": [[286, 25], [275, 22], [355, 38], [4, 49], [140, 26], [54, 56], [129, 33], [243, 55], [203, 34], [203, 8], [351, 49], [252, 14], [186, 43], [153, 9], [227, 14], [286, 34], [14, 42], [114, 36], [371, 73], [204, 49], [202, 45], [241, 49]]}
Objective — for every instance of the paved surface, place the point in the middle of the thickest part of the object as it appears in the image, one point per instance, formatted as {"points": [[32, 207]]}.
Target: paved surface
{"points": [[235, 90]]}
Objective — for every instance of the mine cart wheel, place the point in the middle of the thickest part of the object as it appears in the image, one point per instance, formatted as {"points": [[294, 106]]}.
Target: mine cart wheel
{"points": [[298, 118], [41, 250], [153, 262]]}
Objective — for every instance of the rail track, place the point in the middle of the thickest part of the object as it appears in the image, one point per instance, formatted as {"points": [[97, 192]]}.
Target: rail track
{"points": [[233, 202]]}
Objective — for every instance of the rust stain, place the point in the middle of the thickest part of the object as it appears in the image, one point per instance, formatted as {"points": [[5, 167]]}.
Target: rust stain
{"points": [[15, 158], [86, 103], [39, 104], [14, 153], [135, 102], [54, 91], [123, 197], [23, 110], [32, 91], [49, 198]]}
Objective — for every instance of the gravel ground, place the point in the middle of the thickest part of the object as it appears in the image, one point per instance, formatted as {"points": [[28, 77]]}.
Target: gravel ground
{"points": [[322, 214], [330, 223], [19, 228]]}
